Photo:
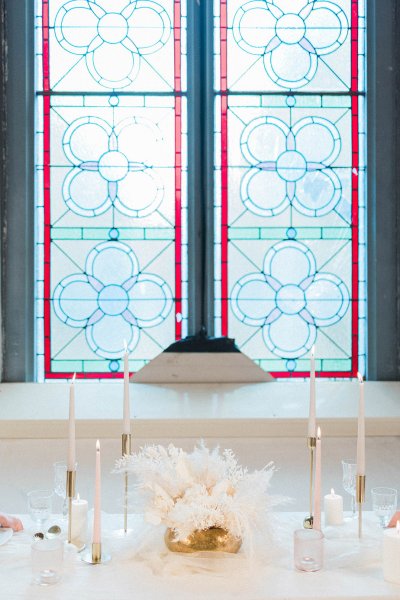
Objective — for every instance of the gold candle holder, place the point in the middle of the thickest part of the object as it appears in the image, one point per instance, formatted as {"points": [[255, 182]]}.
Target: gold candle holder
{"points": [[311, 444], [360, 499], [126, 450], [70, 494], [96, 556]]}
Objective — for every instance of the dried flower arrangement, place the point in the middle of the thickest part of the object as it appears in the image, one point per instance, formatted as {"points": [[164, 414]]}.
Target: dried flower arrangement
{"points": [[200, 490]]}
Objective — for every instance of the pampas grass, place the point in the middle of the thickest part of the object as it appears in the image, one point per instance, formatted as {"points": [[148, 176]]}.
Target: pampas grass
{"points": [[201, 489]]}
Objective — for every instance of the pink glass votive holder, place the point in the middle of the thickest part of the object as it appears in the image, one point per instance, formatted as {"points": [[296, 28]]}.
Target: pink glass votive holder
{"points": [[308, 549]]}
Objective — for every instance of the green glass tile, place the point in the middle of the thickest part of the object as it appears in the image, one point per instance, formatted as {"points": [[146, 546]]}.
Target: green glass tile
{"points": [[65, 366], [101, 366], [95, 233], [336, 233], [343, 364], [304, 365], [244, 100], [66, 233], [273, 101], [131, 233], [244, 233], [336, 101], [309, 233], [159, 234], [273, 233], [272, 365], [308, 101]]}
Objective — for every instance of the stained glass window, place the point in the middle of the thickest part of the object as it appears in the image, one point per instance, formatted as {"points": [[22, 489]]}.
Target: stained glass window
{"points": [[289, 182], [111, 196]]}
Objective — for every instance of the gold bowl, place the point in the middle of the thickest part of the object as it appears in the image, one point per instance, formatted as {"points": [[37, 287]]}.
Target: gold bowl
{"points": [[214, 539]]}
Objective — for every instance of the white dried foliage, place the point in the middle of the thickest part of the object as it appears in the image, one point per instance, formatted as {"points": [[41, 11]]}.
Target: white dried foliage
{"points": [[202, 489]]}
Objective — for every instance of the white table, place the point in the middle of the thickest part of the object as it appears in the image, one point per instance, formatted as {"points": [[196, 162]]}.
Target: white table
{"points": [[141, 569]]}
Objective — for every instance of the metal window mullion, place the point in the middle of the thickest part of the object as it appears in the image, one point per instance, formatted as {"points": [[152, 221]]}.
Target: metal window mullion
{"points": [[208, 162], [200, 166]]}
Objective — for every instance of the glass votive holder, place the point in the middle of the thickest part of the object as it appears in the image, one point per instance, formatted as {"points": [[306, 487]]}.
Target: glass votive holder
{"points": [[308, 549], [384, 503], [47, 560]]}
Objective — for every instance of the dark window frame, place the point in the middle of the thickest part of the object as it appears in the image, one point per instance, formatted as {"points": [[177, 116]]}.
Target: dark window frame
{"points": [[18, 199]]}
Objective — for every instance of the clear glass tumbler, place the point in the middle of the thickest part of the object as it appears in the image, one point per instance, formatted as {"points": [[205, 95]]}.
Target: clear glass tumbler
{"points": [[47, 559], [308, 549]]}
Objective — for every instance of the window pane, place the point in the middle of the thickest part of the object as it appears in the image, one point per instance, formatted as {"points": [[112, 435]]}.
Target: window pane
{"points": [[290, 181], [111, 162]]}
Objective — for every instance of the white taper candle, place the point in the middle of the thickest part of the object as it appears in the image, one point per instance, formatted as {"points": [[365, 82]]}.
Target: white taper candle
{"points": [[317, 483], [71, 463], [311, 416], [97, 499], [361, 429], [126, 428]]}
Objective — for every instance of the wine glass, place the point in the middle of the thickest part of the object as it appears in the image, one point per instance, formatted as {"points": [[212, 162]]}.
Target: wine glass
{"points": [[349, 482], [60, 483], [384, 503]]}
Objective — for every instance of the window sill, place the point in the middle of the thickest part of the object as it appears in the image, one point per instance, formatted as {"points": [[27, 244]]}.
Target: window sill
{"points": [[33, 410]]}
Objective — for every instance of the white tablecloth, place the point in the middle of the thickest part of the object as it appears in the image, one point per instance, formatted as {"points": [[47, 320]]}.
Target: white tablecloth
{"points": [[142, 569]]}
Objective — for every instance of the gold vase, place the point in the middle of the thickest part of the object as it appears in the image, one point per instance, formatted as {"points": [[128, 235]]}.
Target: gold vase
{"points": [[214, 539]]}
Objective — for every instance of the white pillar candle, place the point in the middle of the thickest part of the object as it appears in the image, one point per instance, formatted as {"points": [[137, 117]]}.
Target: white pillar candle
{"points": [[97, 499], [311, 415], [391, 554], [71, 427], [317, 483], [79, 521], [126, 417], [333, 508], [361, 430]]}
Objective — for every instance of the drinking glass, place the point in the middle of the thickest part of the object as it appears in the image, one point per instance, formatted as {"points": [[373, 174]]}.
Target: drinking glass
{"points": [[384, 503], [308, 549], [47, 557], [39, 505], [349, 482]]}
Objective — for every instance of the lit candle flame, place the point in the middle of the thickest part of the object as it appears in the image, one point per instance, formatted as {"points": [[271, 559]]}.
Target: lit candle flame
{"points": [[125, 346], [313, 351], [98, 446], [319, 433], [332, 492], [78, 497], [73, 377], [360, 378]]}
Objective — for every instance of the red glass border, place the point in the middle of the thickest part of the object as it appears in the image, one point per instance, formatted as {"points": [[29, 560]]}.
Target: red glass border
{"points": [[178, 170], [46, 186], [354, 203], [49, 374], [224, 165], [354, 185]]}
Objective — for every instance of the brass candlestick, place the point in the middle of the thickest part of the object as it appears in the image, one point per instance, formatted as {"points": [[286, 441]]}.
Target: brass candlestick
{"points": [[70, 493], [311, 443], [360, 499], [126, 450], [96, 556]]}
